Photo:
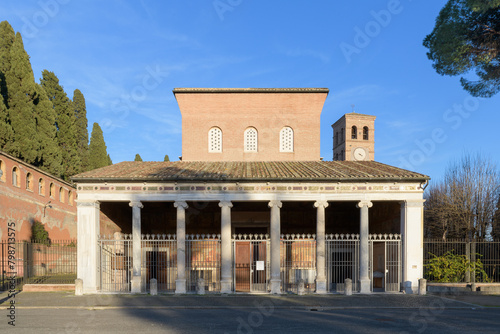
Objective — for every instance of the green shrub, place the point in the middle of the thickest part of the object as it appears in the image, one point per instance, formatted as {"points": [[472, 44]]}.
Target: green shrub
{"points": [[452, 268], [39, 233]]}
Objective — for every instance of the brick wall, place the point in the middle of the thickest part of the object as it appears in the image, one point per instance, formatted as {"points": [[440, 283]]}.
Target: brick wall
{"points": [[234, 112], [28, 201]]}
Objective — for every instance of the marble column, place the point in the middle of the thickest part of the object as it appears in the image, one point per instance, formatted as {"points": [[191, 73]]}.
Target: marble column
{"points": [[226, 283], [180, 282], [364, 279], [320, 247], [87, 234], [136, 246], [275, 247]]}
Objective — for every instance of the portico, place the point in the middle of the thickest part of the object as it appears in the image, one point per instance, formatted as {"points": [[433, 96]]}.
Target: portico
{"points": [[193, 204]]}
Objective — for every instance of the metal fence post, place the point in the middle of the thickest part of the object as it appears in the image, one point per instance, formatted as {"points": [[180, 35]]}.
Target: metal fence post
{"points": [[467, 254]]}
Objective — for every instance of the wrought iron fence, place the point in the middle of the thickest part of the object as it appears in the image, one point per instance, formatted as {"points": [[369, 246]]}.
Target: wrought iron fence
{"points": [[342, 261], [115, 262], [159, 261], [298, 262], [203, 261], [38, 262], [488, 252]]}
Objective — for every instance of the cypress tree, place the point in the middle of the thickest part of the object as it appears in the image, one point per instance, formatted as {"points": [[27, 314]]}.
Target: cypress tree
{"points": [[65, 123], [49, 157], [82, 133], [20, 84], [7, 37], [98, 156], [110, 162], [137, 157], [166, 158]]}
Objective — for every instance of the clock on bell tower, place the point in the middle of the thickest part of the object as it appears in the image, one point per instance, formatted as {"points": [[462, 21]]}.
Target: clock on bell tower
{"points": [[353, 138]]}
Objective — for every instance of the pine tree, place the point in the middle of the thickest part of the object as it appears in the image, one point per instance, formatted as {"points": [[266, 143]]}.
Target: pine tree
{"points": [[49, 158], [98, 156], [137, 157], [65, 122], [166, 158], [20, 84], [82, 133]]}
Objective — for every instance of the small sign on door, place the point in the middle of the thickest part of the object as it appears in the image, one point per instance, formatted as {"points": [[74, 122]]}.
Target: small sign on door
{"points": [[259, 265]]}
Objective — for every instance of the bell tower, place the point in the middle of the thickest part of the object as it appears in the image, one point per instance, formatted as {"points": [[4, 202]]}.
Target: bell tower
{"points": [[354, 138]]}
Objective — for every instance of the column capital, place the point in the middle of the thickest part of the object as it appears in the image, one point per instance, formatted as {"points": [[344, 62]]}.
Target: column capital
{"points": [[275, 203], [83, 203], [363, 203], [225, 203], [136, 204], [181, 204], [323, 204]]}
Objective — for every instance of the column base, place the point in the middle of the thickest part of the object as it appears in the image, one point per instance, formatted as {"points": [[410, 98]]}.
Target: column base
{"points": [[275, 286], [321, 286], [136, 284], [180, 286], [365, 286], [226, 286]]}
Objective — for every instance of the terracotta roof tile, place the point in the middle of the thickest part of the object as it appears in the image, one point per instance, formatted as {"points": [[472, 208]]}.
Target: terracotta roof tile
{"points": [[330, 171]]}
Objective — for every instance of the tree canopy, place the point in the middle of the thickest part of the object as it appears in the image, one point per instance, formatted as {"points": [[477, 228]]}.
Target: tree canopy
{"points": [[98, 155], [38, 122], [466, 38], [463, 204], [137, 157]]}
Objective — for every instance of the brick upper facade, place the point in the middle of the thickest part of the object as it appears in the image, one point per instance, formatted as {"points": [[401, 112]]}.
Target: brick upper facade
{"points": [[232, 111]]}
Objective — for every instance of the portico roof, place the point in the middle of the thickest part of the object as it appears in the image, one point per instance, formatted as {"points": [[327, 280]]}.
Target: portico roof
{"points": [[255, 171]]}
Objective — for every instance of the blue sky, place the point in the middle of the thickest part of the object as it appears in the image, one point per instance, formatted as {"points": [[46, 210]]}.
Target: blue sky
{"points": [[127, 56]]}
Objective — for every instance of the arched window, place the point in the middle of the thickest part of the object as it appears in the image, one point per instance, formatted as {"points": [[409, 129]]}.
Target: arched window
{"points": [[342, 135], [61, 195], [342, 155], [15, 176], [365, 133], [286, 139], [336, 157], [2, 171], [250, 140], [354, 132], [70, 198], [51, 190], [41, 187], [29, 182], [336, 142], [215, 140]]}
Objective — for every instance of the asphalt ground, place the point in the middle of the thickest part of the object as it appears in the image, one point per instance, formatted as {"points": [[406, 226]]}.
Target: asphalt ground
{"points": [[234, 301]]}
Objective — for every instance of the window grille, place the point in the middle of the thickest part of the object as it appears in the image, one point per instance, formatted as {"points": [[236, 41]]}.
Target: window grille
{"points": [[250, 140], [286, 139], [215, 140]]}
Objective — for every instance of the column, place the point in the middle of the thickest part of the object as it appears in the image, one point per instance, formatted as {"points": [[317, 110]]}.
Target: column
{"points": [[87, 235], [275, 247], [320, 247], [226, 283], [136, 246], [180, 282], [364, 279], [412, 222]]}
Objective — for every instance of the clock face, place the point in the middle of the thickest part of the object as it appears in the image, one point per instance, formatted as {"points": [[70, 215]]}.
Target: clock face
{"points": [[359, 154]]}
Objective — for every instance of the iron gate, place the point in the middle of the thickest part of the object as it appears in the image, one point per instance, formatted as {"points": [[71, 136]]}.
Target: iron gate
{"points": [[251, 258], [298, 262]]}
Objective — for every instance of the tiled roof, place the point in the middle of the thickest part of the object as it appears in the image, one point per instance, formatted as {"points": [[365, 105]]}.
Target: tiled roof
{"points": [[250, 90], [291, 171]]}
